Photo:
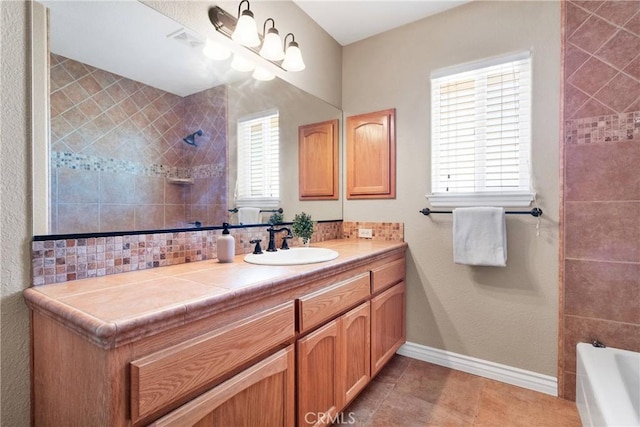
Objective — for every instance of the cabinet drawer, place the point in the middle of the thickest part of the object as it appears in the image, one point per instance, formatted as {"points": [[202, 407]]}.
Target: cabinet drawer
{"points": [[387, 275], [167, 376], [315, 308], [263, 393]]}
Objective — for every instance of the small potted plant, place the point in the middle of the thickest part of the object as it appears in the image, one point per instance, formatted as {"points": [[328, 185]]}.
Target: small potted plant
{"points": [[276, 218], [303, 227]]}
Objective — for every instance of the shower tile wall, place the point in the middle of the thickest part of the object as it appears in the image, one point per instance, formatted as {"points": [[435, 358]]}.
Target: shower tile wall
{"points": [[207, 200], [601, 183], [114, 143]]}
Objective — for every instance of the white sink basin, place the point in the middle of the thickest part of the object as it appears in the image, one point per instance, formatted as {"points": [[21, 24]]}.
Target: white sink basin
{"points": [[293, 256]]}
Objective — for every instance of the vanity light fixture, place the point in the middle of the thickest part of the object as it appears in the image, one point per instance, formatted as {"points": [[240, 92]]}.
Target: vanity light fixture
{"points": [[288, 58], [271, 45], [246, 31], [293, 57]]}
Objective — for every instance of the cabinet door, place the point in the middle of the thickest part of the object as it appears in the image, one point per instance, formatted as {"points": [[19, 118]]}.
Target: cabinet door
{"points": [[318, 161], [387, 325], [371, 156], [355, 351], [260, 395], [318, 385]]}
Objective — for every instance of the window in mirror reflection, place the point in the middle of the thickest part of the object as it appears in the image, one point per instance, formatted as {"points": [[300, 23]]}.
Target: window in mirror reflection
{"points": [[258, 160]]}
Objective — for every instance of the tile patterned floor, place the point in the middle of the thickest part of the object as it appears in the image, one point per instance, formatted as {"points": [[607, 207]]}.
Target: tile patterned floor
{"points": [[409, 392]]}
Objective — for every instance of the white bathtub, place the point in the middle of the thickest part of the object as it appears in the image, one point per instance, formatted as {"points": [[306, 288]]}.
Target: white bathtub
{"points": [[608, 386]]}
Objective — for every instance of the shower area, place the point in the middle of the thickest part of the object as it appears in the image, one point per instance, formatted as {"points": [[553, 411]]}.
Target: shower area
{"points": [[126, 156]]}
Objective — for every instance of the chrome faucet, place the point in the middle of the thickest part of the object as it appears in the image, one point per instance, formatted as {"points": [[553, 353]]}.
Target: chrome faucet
{"points": [[272, 240]]}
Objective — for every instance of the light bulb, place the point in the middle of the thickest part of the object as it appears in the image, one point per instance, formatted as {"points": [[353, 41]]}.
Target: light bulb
{"points": [[272, 46], [246, 32], [293, 58]]}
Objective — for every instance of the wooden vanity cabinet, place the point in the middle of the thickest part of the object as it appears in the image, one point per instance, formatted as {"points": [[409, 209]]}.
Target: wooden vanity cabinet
{"points": [[295, 358]]}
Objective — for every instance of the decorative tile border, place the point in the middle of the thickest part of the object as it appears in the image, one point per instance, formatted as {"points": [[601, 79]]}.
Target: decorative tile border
{"points": [[612, 128], [206, 171], [66, 160], [380, 230]]}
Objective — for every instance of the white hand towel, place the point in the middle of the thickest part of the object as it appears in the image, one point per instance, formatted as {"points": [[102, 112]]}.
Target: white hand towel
{"points": [[249, 215], [480, 236]]}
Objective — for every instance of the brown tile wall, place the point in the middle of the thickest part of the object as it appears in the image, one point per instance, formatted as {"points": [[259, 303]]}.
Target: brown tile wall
{"points": [[600, 287], [114, 142]]}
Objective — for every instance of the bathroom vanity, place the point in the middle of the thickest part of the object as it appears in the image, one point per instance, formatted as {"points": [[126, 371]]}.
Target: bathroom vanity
{"points": [[217, 344]]}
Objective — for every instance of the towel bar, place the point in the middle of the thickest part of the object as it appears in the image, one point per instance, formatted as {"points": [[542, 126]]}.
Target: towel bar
{"points": [[533, 212], [235, 210]]}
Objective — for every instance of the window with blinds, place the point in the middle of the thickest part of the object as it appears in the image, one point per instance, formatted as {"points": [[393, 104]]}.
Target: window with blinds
{"points": [[259, 160], [481, 120]]}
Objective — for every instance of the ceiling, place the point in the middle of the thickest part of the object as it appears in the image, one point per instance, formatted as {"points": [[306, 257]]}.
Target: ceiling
{"points": [[348, 21]]}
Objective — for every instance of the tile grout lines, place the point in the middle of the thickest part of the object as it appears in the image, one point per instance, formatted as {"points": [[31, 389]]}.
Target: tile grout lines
{"points": [[618, 28]]}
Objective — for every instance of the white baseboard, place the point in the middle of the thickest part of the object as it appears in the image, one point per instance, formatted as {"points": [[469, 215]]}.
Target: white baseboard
{"points": [[484, 368]]}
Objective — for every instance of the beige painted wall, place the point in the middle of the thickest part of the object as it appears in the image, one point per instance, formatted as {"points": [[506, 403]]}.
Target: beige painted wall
{"points": [[505, 315], [15, 212]]}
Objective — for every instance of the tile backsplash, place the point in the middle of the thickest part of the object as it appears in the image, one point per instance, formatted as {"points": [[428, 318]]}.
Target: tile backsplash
{"points": [[380, 230], [63, 260]]}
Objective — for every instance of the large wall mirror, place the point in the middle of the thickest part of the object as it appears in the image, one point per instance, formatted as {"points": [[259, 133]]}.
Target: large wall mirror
{"points": [[143, 126]]}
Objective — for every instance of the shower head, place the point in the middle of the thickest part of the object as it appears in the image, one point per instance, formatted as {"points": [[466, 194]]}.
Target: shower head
{"points": [[191, 139]]}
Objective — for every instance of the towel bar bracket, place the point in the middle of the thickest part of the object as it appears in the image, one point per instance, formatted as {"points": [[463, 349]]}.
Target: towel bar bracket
{"points": [[536, 212]]}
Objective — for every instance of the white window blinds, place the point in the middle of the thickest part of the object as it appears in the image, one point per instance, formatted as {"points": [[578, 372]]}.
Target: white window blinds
{"points": [[259, 160], [481, 120]]}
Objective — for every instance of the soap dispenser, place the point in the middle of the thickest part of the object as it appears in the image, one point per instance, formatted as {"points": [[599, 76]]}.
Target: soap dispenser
{"points": [[226, 245]]}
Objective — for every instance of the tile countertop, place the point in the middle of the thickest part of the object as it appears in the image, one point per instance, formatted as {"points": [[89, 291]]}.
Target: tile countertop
{"points": [[113, 310]]}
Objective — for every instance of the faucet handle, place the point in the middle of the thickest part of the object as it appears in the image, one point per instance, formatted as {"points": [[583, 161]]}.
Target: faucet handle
{"points": [[285, 245], [258, 249]]}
